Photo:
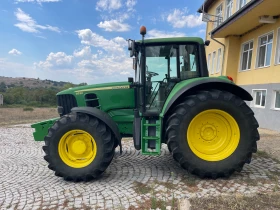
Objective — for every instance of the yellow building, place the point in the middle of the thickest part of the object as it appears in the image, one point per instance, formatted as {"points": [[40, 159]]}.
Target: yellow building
{"points": [[245, 44]]}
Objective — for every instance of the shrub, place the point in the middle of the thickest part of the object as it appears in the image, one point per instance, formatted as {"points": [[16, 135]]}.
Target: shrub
{"points": [[28, 109]]}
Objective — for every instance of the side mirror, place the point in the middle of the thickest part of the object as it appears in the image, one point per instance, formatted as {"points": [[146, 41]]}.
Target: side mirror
{"points": [[131, 47], [134, 64]]}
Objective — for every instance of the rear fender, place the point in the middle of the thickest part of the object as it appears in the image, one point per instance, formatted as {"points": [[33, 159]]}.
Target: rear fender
{"points": [[188, 87]]}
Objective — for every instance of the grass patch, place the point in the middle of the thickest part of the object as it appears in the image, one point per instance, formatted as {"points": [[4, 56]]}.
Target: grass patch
{"points": [[9, 206], [168, 185], [259, 201], [141, 188], [86, 207], [13, 116], [65, 203], [154, 203], [28, 109], [190, 181]]}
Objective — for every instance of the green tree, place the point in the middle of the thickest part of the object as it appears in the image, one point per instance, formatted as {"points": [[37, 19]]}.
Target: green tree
{"points": [[3, 87], [67, 85]]}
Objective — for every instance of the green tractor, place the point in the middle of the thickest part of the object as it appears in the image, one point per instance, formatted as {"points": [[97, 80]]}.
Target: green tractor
{"points": [[207, 126]]}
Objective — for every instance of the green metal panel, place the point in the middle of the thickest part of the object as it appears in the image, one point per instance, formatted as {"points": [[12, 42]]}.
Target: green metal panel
{"points": [[124, 119], [175, 39], [185, 83], [41, 128], [116, 95]]}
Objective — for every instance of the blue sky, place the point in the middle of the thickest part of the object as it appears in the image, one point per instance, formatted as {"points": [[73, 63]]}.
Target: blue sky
{"points": [[85, 40]]}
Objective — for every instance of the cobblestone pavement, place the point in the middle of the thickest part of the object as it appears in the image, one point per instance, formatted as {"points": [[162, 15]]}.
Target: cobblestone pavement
{"points": [[27, 183]]}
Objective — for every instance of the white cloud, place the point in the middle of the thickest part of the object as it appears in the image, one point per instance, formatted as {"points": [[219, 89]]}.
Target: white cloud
{"points": [[180, 19], [130, 4], [14, 52], [28, 24], [100, 60], [108, 5], [114, 45], [86, 51], [41, 37], [112, 59], [125, 73], [202, 31], [114, 25], [59, 59], [154, 33]]}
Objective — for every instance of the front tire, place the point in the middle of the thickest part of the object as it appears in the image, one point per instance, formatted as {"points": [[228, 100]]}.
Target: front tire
{"points": [[212, 134], [79, 147]]}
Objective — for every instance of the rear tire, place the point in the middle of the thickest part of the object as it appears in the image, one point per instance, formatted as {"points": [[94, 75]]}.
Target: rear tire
{"points": [[191, 147], [79, 147]]}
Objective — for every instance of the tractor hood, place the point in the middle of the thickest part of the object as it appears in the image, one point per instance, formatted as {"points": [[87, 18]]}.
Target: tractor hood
{"points": [[96, 87]]}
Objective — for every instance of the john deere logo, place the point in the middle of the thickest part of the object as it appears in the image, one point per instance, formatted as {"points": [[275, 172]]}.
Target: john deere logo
{"points": [[121, 87], [79, 92]]}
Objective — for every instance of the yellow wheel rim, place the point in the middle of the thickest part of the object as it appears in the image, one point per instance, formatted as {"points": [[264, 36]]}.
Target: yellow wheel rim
{"points": [[213, 135], [77, 148]]}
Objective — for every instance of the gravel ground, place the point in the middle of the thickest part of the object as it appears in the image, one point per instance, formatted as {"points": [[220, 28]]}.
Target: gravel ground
{"points": [[270, 142], [27, 183]]}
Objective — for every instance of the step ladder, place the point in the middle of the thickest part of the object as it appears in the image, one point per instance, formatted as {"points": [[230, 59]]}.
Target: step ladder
{"points": [[151, 136]]}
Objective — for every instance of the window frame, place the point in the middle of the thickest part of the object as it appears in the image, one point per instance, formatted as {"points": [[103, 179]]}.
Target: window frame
{"points": [[213, 62], [216, 24], [253, 103], [208, 62], [238, 4], [258, 50], [226, 5], [274, 100], [219, 61], [277, 50], [242, 52]]}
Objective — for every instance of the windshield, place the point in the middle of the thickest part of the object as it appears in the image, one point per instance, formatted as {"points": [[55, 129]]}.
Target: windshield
{"points": [[171, 61], [165, 66]]}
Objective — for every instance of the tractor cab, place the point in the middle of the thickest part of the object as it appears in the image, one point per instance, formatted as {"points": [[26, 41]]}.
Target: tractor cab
{"points": [[159, 65]]}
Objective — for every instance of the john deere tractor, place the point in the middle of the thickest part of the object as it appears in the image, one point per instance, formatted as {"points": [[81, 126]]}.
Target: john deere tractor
{"points": [[208, 128]]}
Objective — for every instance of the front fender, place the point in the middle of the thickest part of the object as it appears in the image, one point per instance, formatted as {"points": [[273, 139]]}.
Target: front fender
{"points": [[103, 116], [190, 86]]}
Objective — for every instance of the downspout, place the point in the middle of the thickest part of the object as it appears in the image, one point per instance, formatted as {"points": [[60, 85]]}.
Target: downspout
{"points": [[223, 52]]}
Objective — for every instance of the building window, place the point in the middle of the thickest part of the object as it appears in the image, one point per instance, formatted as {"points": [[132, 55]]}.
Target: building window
{"points": [[208, 62], [246, 55], [219, 16], [265, 50], [219, 61], [259, 98], [241, 3], [277, 59], [229, 4], [213, 62], [277, 100]]}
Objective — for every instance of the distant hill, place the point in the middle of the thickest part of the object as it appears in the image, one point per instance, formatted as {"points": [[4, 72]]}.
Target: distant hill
{"points": [[31, 92], [31, 82]]}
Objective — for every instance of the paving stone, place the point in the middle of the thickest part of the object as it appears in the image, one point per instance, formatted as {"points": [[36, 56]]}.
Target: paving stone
{"points": [[27, 182]]}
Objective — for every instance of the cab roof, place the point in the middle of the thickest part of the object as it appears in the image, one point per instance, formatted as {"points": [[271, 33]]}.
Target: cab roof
{"points": [[174, 39]]}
